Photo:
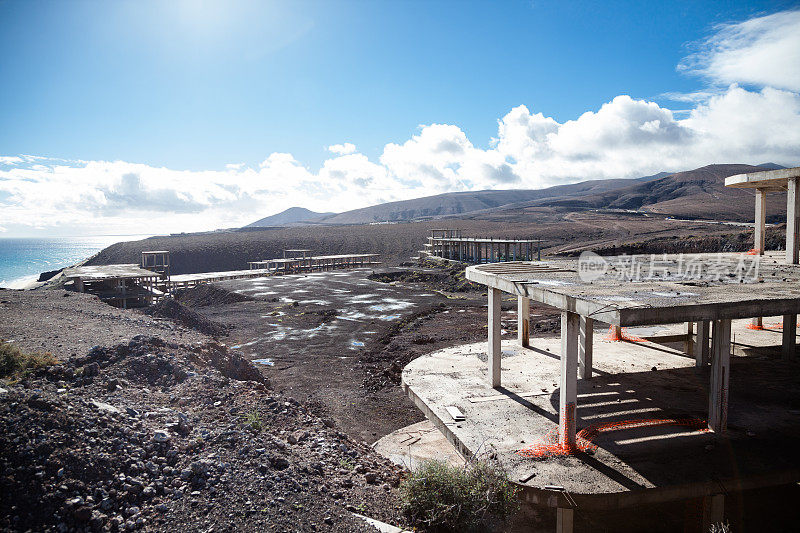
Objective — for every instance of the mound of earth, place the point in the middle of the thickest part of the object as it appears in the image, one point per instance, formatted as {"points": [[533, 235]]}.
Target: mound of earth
{"points": [[207, 294], [444, 278], [153, 435], [172, 310]]}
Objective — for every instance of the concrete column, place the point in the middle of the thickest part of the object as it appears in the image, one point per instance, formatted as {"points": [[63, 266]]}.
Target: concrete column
{"points": [[564, 520], [688, 346], [789, 336], [792, 212], [568, 381], [494, 337], [524, 321], [585, 348], [701, 353], [720, 372], [760, 221], [713, 510]]}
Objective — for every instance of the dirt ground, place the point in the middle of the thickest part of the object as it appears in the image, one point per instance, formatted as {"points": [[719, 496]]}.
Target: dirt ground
{"points": [[339, 340]]}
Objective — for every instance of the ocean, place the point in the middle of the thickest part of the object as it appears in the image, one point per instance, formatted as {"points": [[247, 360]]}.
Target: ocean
{"points": [[21, 260]]}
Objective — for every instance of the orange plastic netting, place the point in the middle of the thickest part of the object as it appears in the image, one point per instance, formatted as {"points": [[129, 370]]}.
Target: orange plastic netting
{"points": [[583, 439], [623, 335]]}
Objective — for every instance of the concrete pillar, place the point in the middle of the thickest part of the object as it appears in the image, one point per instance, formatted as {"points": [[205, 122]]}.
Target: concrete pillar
{"points": [[688, 346], [564, 520], [701, 353], [789, 336], [792, 212], [760, 221], [524, 321], [585, 347], [494, 337], [568, 381], [713, 510], [720, 375]]}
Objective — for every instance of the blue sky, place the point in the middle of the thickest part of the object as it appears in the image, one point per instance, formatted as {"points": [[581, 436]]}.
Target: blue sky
{"points": [[200, 87], [196, 85]]}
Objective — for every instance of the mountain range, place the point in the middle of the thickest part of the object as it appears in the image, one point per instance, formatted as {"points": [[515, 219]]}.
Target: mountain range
{"points": [[698, 193]]}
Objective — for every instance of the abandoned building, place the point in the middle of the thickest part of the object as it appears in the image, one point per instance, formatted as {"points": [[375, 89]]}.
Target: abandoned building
{"points": [[452, 245], [656, 413]]}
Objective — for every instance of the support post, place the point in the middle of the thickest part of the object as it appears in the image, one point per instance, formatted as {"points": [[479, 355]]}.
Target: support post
{"points": [[494, 337], [792, 212], [568, 381], [760, 221], [701, 354], [713, 510], [585, 347], [689, 344], [789, 337], [524, 321], [720, 373], [564, 520]]}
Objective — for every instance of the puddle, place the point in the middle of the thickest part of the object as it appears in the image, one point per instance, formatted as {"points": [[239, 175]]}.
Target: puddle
{"points": [[388, 317], [316, 302], [357, 344], [265, 361], [245, 344]]}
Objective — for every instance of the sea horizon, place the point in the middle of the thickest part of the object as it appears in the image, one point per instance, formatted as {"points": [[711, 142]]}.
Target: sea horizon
{"points": [[22, 259]]}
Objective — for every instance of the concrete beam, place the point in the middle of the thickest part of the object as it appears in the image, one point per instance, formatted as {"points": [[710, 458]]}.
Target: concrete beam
{"points": [[789, 337], [494, 336], [720, 375], [585, 347], [701, 352], [568, 381], [523, 320], [760, 221], [792, 220]]}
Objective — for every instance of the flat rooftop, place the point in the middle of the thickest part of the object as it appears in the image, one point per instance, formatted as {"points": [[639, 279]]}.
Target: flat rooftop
{"points": [[768, 179], [100, 272], [632, 380], [667, 289]]}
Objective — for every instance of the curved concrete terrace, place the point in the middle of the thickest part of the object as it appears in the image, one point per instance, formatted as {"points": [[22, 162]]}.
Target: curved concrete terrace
{"points": [[630, 467]]}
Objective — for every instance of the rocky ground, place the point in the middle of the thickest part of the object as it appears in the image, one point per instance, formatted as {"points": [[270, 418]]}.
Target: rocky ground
{"points": [[159, 427]]}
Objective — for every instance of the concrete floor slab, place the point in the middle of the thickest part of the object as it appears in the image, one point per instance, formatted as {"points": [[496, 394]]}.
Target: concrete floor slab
{"points": [[414, 444], [640, 380]]}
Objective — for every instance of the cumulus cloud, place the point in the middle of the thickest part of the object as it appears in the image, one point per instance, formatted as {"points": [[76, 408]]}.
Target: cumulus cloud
{"points": [[625, 137], [342, 149], [756, 51]]}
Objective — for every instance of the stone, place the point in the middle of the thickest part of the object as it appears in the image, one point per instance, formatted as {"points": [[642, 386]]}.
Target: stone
{"points": [[104, 407], [161, 435]]}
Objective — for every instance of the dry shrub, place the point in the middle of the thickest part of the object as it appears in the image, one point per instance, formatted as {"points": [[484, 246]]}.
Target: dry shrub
{"points": [[14, 363], [441, 497]]}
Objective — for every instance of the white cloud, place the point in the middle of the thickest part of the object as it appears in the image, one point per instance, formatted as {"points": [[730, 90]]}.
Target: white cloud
{"points": [[342, 149], [762, 51], [625, 137], [2, 229]]}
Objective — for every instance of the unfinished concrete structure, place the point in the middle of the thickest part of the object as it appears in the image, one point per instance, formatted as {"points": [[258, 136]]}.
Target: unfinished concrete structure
{"points": [[451, 244], [507, 399], [785, 179], [119, 285], [157, 261], [293, 265]]}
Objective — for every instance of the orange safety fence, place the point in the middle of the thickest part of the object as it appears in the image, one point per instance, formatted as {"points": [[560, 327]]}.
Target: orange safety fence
{"points": [[752, 251], [583, 439], [622, 336]]}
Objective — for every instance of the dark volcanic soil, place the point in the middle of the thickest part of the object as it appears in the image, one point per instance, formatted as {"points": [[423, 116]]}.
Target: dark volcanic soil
{"points": [[166, 432], [340, 339]]}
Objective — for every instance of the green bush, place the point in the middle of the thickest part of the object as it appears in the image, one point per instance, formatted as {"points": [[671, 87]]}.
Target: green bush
{"points": [[14, 363], [440, 497]]}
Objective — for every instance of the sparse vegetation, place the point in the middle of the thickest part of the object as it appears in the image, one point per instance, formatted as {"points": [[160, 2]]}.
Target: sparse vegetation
{"points": [[720, 528], [253, 420], [440, 497], [15, 364]]}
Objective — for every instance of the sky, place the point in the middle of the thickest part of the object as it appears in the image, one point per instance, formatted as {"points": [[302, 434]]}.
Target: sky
{"points": [[158, 117]]}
